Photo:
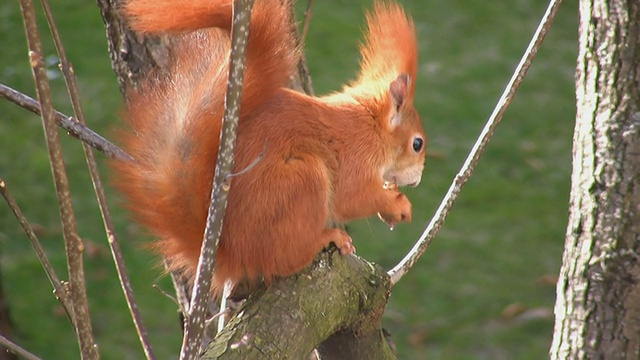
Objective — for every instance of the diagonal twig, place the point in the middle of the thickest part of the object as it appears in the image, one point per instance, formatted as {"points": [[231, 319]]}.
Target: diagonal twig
{"points": [[73, 127], [58, 290], [180, 285], [308, 12], [114, 245], [73, 244], [202, 287], [478, 148], [16, 349], [302, 80]]}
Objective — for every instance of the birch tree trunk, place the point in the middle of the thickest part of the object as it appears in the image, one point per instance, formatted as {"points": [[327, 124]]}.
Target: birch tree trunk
{"points": [[598, 293]]}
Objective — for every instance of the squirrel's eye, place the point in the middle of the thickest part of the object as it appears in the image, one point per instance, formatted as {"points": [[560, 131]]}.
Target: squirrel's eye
{"points": [[417, 144]]}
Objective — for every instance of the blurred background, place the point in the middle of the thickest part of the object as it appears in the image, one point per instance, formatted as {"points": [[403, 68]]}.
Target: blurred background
{"points": [[485, 289]]}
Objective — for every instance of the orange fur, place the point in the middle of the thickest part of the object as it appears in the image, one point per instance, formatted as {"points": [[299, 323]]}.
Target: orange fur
{"points": [[325, 158]]}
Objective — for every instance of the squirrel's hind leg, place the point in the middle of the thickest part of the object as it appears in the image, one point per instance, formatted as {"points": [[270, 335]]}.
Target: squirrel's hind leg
{"points": [[277, 217]]}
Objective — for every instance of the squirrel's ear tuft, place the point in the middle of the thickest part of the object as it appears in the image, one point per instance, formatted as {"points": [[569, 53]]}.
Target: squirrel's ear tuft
{"points": [[399, 90], [398, 94]]}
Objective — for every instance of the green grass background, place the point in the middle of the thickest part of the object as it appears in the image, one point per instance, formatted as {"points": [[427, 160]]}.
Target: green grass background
{"points": [[496, 252]]}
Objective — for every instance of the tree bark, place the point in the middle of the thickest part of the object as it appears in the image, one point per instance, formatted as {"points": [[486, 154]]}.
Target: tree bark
{"points": [[338, 298], [132, 56], [598, 292]]}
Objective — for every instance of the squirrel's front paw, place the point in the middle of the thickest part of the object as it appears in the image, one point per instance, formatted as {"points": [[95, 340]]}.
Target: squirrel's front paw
{"points": [[398, 211], [341, 239]]}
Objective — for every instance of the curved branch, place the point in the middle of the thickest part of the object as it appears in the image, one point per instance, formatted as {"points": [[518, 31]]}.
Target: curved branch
{"points": [[478, 148]]}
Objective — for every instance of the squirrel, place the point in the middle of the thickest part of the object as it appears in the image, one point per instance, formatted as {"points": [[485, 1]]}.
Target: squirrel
{"points": [[323, 160]]}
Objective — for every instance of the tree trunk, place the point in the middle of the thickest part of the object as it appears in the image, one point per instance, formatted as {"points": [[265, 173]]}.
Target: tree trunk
{"points": [[598, 293]]}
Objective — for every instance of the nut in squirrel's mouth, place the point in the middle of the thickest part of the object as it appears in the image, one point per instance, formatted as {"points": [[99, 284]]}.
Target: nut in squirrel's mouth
{"points": [[393, 185], [390, 185]]}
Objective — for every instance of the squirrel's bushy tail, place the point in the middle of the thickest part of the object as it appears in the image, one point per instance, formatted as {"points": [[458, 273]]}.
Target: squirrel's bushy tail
{"points": [[175, 116]]}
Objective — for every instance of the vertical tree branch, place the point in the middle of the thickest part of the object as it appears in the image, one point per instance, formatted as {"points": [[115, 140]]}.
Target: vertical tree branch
{"points": [[73, 243], [114, 245], [221, 182], [302, 80], [478, 148], [308, 13]]}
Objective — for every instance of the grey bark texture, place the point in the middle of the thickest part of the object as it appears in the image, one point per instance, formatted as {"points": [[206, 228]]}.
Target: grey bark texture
{"points": [[132, 56], [598, 292]]}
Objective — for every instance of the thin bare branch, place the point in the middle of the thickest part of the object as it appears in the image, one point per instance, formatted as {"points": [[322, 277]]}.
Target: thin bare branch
{"points": [[308, 13], [226, 292], [305, 77], [58, 290], [16, 349], [114, 245], [166, 294], [209, 321], [73, 127], [181, 287], [73, 244], [478, 148], [253, 164], [302, 80], [194, 331]]}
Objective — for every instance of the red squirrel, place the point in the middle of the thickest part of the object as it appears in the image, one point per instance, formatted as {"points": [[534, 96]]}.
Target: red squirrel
{"points": [[324, 160]]}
